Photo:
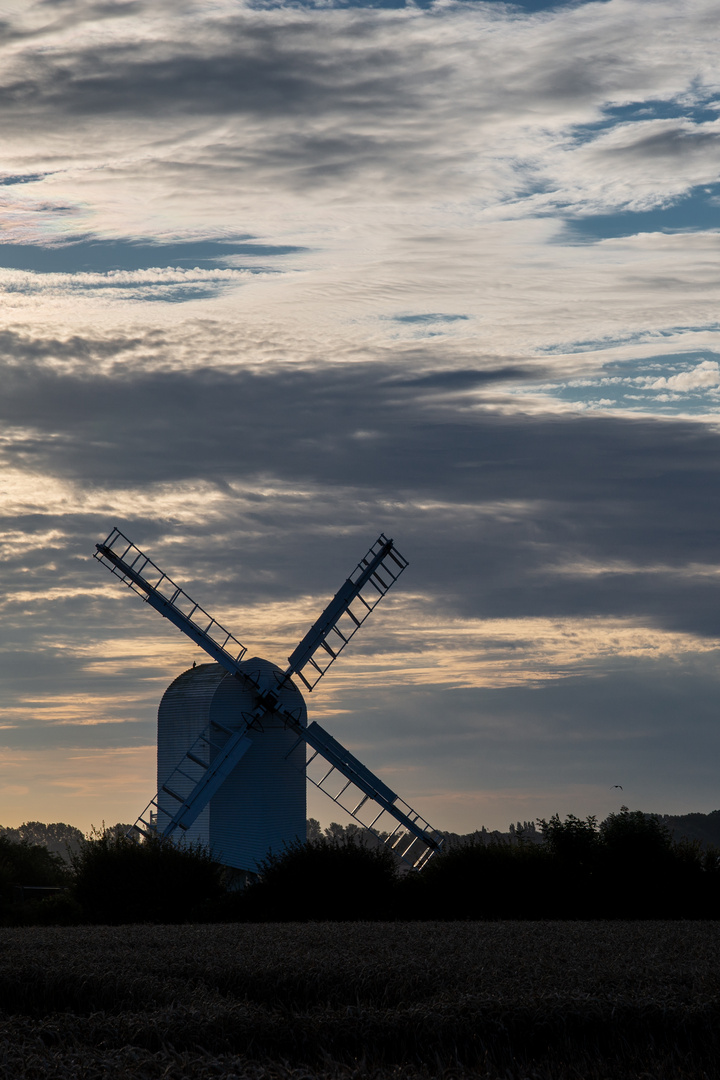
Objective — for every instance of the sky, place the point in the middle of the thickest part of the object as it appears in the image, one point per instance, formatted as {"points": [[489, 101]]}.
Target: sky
{"points": [[276, 277]]}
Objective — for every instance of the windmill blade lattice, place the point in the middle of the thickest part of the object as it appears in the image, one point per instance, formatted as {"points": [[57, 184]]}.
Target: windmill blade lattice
{"points": [[139, 573], [362, 795], [369, 582], [192, 783]]}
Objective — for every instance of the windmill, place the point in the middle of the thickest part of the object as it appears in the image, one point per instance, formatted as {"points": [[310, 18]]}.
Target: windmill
{"points": [[234, 745]]}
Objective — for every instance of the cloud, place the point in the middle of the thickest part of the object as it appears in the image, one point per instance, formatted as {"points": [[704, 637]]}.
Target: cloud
{"points": [[321, 97], [707, 373], [171, 283], [415, 154], [286, 451]]}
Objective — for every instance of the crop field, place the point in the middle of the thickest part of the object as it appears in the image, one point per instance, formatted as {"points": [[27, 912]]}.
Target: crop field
{"points": [[291, 1001]]}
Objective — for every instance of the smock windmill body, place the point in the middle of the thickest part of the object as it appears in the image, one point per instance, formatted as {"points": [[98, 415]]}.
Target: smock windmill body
{"points": [[234, 744]]}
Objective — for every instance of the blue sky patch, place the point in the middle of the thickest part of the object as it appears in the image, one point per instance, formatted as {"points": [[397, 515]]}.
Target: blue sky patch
{"points": [[181, 294], [100, 256], [699, 210], [25, 178], [429, 318], [699, 112]]}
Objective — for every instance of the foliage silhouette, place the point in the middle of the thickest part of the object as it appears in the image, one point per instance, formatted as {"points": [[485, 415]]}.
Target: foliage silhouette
{"points": [[477, 880], [57, 837], [26, 864], [118, 880], [646, 875], [22, 863], [574, 841], [631, 836], [628, 867], [342, 879]]}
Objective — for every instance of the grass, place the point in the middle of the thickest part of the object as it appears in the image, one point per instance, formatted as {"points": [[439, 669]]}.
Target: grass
{"points": [[407, 1001]]}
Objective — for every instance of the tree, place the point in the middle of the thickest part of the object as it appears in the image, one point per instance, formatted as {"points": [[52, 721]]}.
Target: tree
{"points": [[22, 863], [59, 838], [335, 833], [575, 841], [525, 832], [644, 874], [314, 829], [631, 836]]}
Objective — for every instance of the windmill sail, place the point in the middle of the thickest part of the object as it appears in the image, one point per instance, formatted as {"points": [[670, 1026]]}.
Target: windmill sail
{"points": [[371, 579], [357, 791], [139, 573], [193, 782]]}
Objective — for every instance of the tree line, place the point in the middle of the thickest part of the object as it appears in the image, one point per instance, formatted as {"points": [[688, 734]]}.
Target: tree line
{"points": [[628, 866], [703, 829]]}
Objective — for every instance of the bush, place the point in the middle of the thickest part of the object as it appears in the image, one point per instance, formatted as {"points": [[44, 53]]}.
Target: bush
{"points": [[58, 910], [118, 880], [477, 880], [321, 879]]}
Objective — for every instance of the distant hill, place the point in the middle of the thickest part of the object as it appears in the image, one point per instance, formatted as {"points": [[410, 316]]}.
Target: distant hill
{"points": [[704, 828]]}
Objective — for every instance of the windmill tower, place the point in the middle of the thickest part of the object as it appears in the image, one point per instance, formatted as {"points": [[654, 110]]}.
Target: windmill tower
{"points": [[234, 744]]}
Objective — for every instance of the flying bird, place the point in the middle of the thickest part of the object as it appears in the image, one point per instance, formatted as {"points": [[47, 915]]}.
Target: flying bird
{"points": [[618, 785]]}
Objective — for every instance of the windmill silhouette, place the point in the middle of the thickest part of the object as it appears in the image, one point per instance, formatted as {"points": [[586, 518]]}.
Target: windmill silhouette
{"points": [[234, 745]]}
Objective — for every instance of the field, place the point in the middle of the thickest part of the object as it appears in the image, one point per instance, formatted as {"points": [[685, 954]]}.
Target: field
{"points": [[290, 1001]]}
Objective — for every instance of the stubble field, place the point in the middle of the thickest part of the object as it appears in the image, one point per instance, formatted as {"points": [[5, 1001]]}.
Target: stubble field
{"points": [[290, 1001]]}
